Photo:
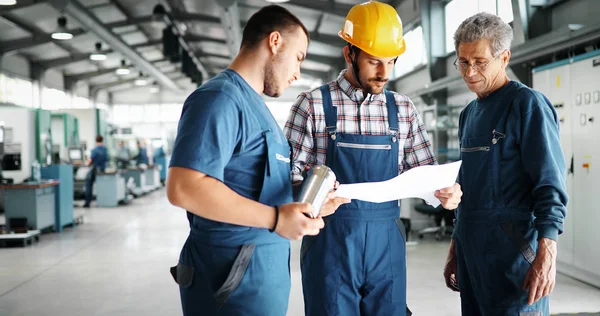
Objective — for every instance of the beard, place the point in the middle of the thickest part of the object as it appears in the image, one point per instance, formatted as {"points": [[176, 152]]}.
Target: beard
{"points": [[271, 86], [371, 87]]}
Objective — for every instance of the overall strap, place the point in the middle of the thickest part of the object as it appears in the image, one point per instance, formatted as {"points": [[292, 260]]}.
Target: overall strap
{"points": [[330, 112], [392, 109], [330, 121]]}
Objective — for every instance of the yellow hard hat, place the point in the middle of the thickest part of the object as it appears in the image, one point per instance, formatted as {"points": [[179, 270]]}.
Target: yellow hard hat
{"points": [[375, 28]]}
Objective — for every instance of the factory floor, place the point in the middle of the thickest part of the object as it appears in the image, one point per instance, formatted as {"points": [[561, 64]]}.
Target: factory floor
{"points": [[117, 263]]}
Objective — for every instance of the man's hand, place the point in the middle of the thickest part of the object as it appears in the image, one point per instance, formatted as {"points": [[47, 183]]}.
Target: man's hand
{"points": [[332, 202], [294, 222], [541, 277], [451, 270], [449, 197]]}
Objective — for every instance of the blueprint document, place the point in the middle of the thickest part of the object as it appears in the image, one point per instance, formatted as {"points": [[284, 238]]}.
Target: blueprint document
{"points": [[420, 182]]}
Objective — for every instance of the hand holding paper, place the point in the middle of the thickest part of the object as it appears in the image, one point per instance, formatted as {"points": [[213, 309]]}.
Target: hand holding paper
{"points": [[420, 182]]}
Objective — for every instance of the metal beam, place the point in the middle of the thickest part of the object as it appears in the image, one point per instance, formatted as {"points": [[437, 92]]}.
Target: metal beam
{"points": [[15, 45], [57, 62], [537, 48], [521, 16], [314, 73], [178, 16], [170, 22], [432, 21], [230, 20], [92, 74], [323, 59], [187, 17], [319, 22], [74, 9], [202, 38], [89, 75], [39, 37], [20, 5], [553, 42], [330, 7], [105, 86], [126, 13], [146, 44], [208, 55]]}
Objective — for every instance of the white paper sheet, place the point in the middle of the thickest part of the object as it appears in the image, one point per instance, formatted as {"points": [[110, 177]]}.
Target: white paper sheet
{"points": [[420, 182]]}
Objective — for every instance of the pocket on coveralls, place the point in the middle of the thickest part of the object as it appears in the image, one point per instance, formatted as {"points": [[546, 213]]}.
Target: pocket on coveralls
{"points": [[513, 230], [308, 240], [183, 274], [235, 275]]}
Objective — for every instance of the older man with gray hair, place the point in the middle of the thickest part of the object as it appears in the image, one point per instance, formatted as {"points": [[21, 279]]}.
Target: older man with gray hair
{"points": [[502, 257]]}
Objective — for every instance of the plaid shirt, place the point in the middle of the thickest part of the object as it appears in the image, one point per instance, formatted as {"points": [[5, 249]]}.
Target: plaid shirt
{"points": [[305, 127]]}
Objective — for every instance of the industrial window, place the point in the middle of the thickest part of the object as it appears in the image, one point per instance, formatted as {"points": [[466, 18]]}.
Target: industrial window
{"points": [[136, 114], [16, 91], [54, 99], [124, 114], [82, 103], [170, 112], [152, 113], [120, 113], [414, 56], [457, 11], [280, 111]]}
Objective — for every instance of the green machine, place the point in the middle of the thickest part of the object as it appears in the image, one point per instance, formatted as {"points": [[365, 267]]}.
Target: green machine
{"points": [[65, 132], [105, 129], [43, 137]]}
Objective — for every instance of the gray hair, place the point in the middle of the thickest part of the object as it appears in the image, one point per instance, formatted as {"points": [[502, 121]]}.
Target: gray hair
{"points": [[485, 25]]}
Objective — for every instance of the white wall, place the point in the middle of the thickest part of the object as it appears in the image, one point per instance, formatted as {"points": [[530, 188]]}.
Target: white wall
{"points": [[408, 11], [87, 125], [81, 89], [15, 65], [54, 79], [415, 81], [22, 122], [102, 97], [58, 135], [142, 95]]}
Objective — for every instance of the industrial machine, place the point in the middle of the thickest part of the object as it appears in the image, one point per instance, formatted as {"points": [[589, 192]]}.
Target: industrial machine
{"points": [[20, 142], [76, 156], [44, 137], [573, 87], [65, 133], [1, 150]]}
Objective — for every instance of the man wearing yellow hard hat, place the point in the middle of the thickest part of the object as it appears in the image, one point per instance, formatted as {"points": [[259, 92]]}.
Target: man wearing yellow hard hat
{"points": [[356, 265]]}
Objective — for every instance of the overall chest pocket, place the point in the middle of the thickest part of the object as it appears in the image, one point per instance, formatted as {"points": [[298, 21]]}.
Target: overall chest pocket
{"points": [[277, 182], [477, 174]]}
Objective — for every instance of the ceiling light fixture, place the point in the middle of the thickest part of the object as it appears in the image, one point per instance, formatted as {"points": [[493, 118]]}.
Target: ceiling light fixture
{"points": [[141, 81], [61, 32], [123, 70], [8, 2], [98, 55], [155, 88], [277, 1]]}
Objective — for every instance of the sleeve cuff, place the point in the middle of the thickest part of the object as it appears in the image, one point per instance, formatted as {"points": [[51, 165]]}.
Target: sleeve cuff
{"points": [[548, 232]]}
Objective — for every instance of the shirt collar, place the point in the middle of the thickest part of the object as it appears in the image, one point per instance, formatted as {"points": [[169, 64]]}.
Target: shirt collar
{"points": [[355, 94]]}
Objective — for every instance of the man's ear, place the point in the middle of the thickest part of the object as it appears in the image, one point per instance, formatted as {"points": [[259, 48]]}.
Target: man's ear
{"points": [[347, 53], [505, 57], [274, 41]]}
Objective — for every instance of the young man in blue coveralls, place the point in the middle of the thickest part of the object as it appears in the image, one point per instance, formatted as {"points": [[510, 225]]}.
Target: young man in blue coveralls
{"points": [[97, 163], [356, 265], [230, 169], [502, 257]]}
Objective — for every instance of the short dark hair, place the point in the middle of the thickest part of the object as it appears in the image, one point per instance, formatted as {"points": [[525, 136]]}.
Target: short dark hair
{"points": [[267, 20], [99, 139]]}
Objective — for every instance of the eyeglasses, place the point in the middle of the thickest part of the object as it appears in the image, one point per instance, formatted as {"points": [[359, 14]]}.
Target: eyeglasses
{"points": [[478, 67]]}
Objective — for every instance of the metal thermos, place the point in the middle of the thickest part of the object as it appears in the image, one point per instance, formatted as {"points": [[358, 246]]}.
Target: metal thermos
{"points": [[317, 184]]}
